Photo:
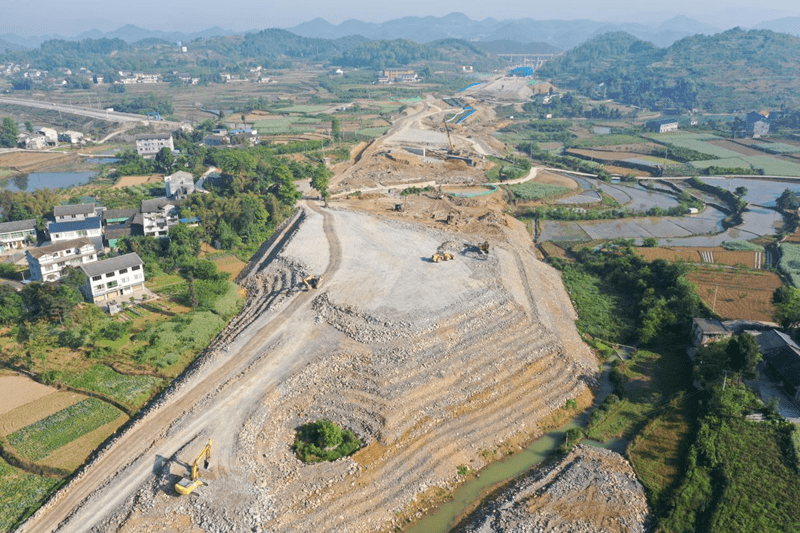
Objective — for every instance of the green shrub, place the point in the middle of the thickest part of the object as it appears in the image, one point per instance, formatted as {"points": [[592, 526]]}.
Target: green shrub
{"points": [[324, 441], [743, 246]]}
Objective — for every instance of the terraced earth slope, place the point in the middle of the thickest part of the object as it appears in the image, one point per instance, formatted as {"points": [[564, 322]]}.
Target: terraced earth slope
{"points": [[432, 365]]}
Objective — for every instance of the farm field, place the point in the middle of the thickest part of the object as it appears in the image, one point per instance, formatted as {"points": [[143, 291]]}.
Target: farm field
{"points": [[771, 166], [736, 293], [20, 494], [715, 255], [19, 390]]}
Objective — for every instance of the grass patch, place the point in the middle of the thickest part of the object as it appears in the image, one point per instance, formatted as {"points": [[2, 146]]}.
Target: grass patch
{"points": [[789, 263], [324, 441], [742, 246], [37, 441], [229, 303], [20, 494], [536, 191], [132, 391], [165, 343], [608, 140]]}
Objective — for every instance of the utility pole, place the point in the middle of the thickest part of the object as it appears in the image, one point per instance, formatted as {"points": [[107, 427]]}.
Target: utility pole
{"points": [[714, 305], [725, 381]]}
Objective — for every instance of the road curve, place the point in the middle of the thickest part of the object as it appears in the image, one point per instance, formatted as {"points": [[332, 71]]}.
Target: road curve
{"points": [[128, 463]]}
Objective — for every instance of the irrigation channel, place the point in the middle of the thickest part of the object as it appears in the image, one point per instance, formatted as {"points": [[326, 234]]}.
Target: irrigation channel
{"points": [[469, 495]]}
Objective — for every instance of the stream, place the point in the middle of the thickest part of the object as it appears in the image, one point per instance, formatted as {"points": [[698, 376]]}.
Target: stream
{"points": [[465, 497]]}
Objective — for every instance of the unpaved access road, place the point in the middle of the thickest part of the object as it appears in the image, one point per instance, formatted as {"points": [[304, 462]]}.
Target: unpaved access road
{"points": [[207, 406]]}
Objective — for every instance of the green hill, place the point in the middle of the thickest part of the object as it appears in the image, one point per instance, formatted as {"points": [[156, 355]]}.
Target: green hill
{"points": [[729, 71]]}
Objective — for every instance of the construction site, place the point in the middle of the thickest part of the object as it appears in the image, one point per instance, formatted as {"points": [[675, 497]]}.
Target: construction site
{"points": [[425, 324]]}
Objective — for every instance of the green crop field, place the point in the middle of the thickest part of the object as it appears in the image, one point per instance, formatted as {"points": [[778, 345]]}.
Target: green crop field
{"points": [[372, 132], [132, 391], [771, 166], [20, 494], [697, 142], [609, 140], [311, 108], [778, 148], [284, 126], [41, 438], [536, 191], [790, 262]]}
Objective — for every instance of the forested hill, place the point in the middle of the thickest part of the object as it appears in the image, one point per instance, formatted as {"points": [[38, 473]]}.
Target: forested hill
{"points": [[733, 70]]}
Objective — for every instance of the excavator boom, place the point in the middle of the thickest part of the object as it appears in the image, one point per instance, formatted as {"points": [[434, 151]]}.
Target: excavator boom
{"points": [[187, 485]]}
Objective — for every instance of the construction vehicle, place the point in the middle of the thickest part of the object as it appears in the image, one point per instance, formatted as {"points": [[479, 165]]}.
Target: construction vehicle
{"points": [[450, 139], [453, 153], [441, 256], [484, 248], [312, 282], [187, 485]]}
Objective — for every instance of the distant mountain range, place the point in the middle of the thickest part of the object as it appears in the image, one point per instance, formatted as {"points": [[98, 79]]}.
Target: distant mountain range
{"points": [[559, 34]]}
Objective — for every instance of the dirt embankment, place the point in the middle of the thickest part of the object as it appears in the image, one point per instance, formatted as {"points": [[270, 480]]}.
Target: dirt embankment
{"points": [[591, 490]]}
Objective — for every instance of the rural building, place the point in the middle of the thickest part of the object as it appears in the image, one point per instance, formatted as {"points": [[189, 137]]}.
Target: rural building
{"points": [[17, 234], [708, 330], [68, 213], [601, 130], [47, 262], [72, 137], [90, 228], [757, 124], [118, 216], [216, 139], [158, 215], [33, 142], [393, 75], [179, 185], [150, 145], [50, 135], [113, 277], [118, 223], [662, 125], [782, 357]]}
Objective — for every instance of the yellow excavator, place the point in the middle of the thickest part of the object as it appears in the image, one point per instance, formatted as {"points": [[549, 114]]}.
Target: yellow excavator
{"points": [[312, 282], [449, 138], [441, 255], [187, 485], [484, 248]]}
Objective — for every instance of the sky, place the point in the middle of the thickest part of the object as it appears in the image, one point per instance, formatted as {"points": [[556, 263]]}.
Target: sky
{"points": [[73, 16]]}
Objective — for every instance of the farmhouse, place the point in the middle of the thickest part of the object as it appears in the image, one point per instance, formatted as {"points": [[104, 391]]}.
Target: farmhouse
{"points": [[158, 215], [708, 330], [150, 145], [113, 277], [757, 124], [17, 234], [179, 185], [662, 125], [68, 213], [72, 137], [90, 228], [782, 357], [47, 262]]}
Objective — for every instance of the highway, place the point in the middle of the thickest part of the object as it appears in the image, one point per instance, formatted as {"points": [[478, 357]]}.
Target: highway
{"points": [[110, 116]]}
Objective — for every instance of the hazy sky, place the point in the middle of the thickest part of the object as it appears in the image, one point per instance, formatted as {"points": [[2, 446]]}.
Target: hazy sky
{"points": [[72, 16]]}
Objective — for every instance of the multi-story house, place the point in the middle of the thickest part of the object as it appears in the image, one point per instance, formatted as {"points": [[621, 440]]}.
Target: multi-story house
{"points": [[113, 277], [158, 215], [179, 185], [47, 262], [150, 145], [17, 234], [90, 228], [69, 213]]}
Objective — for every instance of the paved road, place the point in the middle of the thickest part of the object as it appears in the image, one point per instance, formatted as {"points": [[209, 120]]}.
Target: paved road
{"points": [[110, 116], [228, 392]]}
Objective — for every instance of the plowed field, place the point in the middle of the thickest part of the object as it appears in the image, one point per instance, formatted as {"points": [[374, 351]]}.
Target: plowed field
{"points": [[715, 255], [737, 294]]}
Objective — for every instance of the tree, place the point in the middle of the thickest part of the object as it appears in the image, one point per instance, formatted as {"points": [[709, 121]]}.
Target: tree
{"points": [[741, 191], [787, 201], [11, 310], [787, 306], [9, 133], [164, 160], [29, 126], [336, 130], [320, 180], [744, 355], [649, 242]]}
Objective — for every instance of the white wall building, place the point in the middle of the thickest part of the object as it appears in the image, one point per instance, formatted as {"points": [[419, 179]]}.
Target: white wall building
{"points": [[179, 185], [90, 228], [17, 234], [47, 262], [113, 277], [150, 145], [158, 215], [69, 213]]}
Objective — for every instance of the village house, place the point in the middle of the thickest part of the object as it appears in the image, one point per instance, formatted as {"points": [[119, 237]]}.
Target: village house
{"points": [[757, 124], [113, 277], [150, 145], [662, 125], [179, 185], [50, 135], [708, 330], [782, 357], [68, 213], [91, 228], [158, 215], [71, 137], [17, 234], [47, 262]]}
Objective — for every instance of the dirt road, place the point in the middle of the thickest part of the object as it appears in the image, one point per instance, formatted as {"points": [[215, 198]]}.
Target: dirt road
{"points": [[208, 405]]}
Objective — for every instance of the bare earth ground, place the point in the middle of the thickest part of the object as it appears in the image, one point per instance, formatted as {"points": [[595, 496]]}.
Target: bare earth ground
{"points": [[129, 181], [427, 363], [19, 390]]}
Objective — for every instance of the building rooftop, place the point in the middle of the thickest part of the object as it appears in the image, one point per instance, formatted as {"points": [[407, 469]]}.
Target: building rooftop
{"points": [[18, 225], [711, 326], [179, 176], [153, 136], [75, 209], [156, 205], [59, 246], [113, 214], [782, 354], [112, 265], [74, 225]]}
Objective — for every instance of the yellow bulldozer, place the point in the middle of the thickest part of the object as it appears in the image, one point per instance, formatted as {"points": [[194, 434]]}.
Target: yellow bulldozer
{"points": [[312, 282], [187, 485]]}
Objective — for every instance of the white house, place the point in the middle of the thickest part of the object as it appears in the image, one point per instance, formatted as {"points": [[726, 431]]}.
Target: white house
{"points": [[113, 277], [47, 262], [158, 215], [179, 185], [68, 213], [72, 137], [150, 145], [17, 234], [50, 135], [90, 228]]}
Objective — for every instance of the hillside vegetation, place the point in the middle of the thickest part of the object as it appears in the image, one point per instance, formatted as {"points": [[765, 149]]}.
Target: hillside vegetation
{"points": [[728, 71]]}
